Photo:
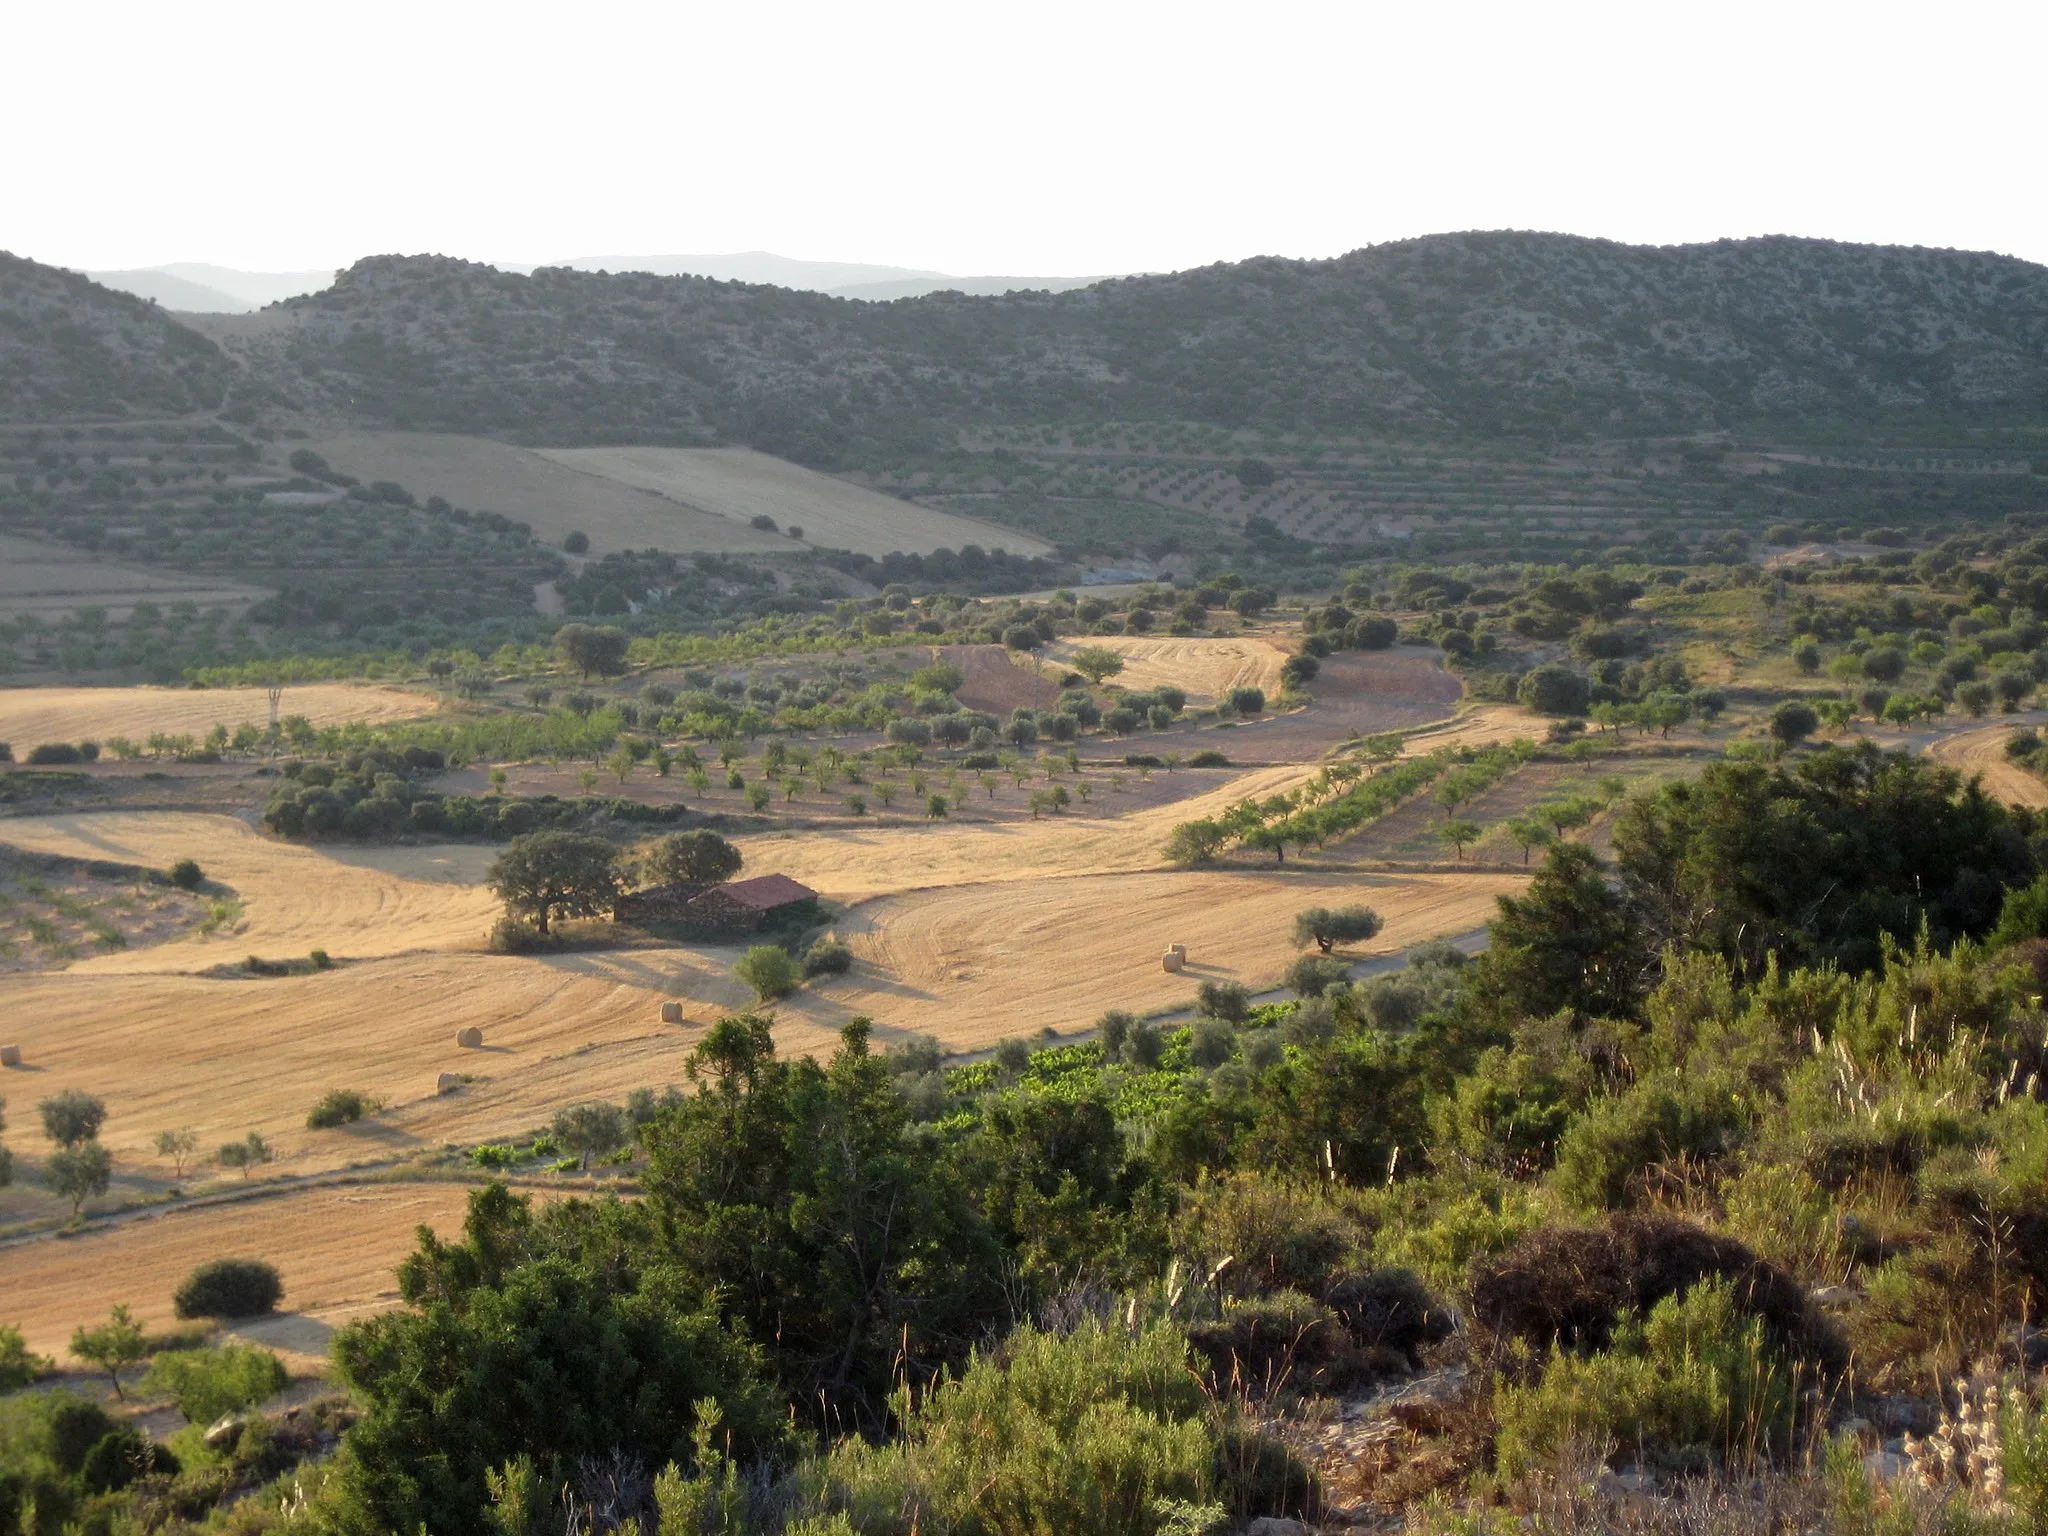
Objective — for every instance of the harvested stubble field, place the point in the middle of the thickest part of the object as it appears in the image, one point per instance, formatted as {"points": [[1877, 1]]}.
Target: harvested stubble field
{"points": [[553, 499], [1982, 752], [29, 716], [295, 898], [336, 1248], [738, 484], [1207, 668], [975, 963], [49, 581]]}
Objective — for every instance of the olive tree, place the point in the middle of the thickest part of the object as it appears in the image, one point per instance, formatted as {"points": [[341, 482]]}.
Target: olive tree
{"points": [[113, 1345], [591, 1130], [79, 1173], [598, 649], [1097, 662], [72, 1117], [544, 873], [1327, 927], [1793, 721]]}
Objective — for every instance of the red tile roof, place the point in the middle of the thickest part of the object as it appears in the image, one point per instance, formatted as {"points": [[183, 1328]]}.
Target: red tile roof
{"points": [[764, 892]]}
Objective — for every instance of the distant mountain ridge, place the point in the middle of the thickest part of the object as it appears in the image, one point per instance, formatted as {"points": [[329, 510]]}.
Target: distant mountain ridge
{"points": [[199, 287], [842, 279], [1484, 334]]}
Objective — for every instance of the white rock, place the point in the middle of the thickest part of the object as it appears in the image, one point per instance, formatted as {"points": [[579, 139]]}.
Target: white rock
{"points": [[1886, 1465]]}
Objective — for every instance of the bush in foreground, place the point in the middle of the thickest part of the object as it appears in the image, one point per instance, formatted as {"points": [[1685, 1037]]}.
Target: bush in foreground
{"points": [[229, 1288], [207, 1383], [1095, 1431]]}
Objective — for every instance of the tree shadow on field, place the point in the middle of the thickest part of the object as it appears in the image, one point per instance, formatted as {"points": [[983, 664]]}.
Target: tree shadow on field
{"points": [[293, 1331]]}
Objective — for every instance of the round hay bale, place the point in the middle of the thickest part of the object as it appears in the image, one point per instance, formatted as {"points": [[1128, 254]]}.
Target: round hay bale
{"points": [[1171, 962], [671, 1013], [448, 1082], [469, 1039], [10, 1055]]}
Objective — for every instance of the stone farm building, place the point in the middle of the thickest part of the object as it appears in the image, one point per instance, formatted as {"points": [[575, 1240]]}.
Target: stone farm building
{"points": [[739, 907]]}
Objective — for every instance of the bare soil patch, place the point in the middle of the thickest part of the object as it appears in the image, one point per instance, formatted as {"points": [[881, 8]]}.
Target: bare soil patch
{"points": [[997, 684], [553, 499], [30, 716], [738, 484]]}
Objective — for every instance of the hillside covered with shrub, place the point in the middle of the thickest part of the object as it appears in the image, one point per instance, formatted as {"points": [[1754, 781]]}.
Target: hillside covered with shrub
{"points": [[1483, 334]]}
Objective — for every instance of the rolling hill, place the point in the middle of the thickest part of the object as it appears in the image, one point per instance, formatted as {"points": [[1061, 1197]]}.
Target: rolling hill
{"points": [[1471, 335]]}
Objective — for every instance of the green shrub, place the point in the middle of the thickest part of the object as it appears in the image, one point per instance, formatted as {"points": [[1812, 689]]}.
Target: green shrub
{"points": [[18, 1366], [1653, 1123], [207, 1383], [769, 970], [339, 1106], [229, 1288], [827, 957], [1694, 1381], [1208, 757], [186, 875], [1087, 1432]]}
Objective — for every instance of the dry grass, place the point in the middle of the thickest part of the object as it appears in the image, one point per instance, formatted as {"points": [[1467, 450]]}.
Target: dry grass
{"points": [[336, 1249], [1983, 752], [49, 580], [29, 716], [295, 898], [554, 499], [1206, 668], [739, 484]]}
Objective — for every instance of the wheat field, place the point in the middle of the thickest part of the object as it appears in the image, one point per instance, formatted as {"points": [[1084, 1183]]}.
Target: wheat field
{"points": [[30, 716]]}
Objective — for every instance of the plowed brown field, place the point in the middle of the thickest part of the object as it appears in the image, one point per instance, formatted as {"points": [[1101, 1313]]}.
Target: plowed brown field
{"points": [[336, 1248]]}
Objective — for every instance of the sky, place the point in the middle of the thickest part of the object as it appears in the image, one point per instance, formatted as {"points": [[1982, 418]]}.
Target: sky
{"points": [[1043, 138]]}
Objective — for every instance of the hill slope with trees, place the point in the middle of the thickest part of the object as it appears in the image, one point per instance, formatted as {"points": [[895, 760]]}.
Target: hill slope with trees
{"points": [[1491, 334], [71, 348]]}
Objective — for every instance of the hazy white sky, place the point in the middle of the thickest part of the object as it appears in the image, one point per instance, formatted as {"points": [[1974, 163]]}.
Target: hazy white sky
{"points": [[1049, 137]]}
